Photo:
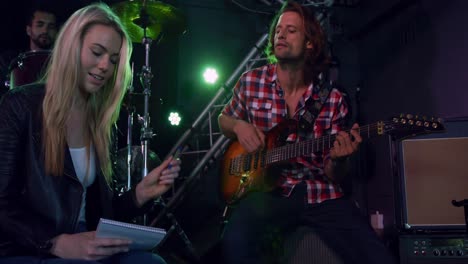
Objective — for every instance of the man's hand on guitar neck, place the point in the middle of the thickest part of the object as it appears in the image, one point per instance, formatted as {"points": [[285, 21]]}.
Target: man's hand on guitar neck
{"points": [[343, 146], [346, 144], [250, 137]]}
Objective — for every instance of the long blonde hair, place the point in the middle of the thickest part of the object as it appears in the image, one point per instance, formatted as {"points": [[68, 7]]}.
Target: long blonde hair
{"points": [[62, 80]]}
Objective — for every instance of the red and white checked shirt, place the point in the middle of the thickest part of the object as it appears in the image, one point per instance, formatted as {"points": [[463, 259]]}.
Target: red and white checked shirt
{"points": [[258, 99]]}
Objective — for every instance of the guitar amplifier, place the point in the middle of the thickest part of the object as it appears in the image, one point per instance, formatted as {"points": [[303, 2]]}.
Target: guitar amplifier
{"points": [[434, 248], [433, 171]]}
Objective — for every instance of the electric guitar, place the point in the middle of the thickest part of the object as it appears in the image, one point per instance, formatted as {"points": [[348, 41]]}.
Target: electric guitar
{"points": [[243, 172]]}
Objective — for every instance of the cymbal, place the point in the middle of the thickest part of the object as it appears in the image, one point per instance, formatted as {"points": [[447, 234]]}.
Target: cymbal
{"points": [[154, 16]]}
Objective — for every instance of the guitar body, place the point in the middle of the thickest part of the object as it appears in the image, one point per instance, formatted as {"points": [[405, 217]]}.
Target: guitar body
{"points": [[244, 172]]}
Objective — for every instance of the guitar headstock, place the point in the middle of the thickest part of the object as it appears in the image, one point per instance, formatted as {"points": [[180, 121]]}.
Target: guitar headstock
{"points": [[407, 125]]}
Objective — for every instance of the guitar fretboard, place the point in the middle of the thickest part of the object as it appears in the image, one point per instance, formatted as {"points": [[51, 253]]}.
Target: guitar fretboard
{"points": [[320, 144], [265, 157]]}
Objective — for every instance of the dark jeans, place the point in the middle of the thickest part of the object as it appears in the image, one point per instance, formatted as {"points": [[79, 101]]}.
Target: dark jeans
{"points": [[131, 257], [338, 222]]}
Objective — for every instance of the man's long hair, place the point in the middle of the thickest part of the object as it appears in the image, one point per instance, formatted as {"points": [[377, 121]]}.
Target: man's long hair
{"points": [[316, 58], [62, 86]]}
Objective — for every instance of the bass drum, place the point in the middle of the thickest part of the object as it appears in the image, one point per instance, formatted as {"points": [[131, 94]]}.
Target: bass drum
{"points": [[28, 67]]}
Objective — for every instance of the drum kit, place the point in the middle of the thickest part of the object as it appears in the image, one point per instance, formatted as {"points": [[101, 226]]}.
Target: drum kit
{"points": [[145, 21], [27, 67]]}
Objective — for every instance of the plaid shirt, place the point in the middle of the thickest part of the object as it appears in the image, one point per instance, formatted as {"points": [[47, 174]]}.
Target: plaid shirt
{"points": [[258, 99]]}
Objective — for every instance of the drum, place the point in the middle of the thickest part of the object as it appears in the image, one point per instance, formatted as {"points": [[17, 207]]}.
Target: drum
{"points": [[28, 67]]}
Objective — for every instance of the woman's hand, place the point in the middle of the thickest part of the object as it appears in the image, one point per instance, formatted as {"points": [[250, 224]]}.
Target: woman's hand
{"points": [[86, 246], [158, 181]]}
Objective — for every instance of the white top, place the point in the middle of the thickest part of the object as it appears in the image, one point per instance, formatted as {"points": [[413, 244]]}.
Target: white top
{"points": [[80, 164]]}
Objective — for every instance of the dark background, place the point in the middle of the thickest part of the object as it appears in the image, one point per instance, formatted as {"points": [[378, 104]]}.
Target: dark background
{"points": [[395, 56]]}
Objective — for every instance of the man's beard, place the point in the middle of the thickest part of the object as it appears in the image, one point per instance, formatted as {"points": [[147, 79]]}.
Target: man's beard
{"points": [[293, 60], [43, 42], [288, 58]]}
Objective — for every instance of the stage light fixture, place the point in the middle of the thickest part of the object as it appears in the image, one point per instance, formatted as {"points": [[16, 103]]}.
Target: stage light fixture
{"points": [[210, 75], [174, 118]]}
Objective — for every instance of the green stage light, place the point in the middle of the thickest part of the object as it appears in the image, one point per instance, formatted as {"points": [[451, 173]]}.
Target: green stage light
{"points": [[174, 118], [210, 75]]}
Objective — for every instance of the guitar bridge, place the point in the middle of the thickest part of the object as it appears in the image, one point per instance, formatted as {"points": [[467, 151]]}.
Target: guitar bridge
{"points": [[244, 183], [244, 178]]}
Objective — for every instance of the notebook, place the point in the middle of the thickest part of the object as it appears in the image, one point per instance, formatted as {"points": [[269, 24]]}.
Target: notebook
{"points": [[142, 237]]}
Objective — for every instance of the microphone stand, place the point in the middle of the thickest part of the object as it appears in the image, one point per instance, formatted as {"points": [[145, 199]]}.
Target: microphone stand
{"points": [[175, 227]]}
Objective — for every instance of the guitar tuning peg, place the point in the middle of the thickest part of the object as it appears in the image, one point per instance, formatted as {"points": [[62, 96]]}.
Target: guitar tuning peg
{"points": [[409, 116]]}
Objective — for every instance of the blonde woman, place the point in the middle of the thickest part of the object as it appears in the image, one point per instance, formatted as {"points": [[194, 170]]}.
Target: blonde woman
{"points": [[55, 167]]}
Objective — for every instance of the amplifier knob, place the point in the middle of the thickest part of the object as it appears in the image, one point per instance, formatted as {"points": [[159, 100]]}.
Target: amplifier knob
{"points": [[451, 252], [459, 252], [436, 252], [444, 252]]}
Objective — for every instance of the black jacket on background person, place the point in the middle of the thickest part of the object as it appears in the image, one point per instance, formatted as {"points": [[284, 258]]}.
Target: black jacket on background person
{"points": [[35, 207]]}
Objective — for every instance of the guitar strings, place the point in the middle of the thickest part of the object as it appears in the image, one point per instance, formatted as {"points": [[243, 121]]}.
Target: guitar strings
{"points": [[320, 144], [325, 142]]}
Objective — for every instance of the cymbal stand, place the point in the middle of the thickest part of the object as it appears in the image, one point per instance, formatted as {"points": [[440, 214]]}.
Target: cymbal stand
{"points": [[145, 78], [146, 131], [131, 110]]}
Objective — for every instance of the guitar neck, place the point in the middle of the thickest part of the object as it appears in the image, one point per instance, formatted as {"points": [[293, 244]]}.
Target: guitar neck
{"points": [[320, 144]]}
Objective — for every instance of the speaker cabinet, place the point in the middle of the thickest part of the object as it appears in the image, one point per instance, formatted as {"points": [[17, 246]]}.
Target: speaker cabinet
{"points": [[433, 171]]}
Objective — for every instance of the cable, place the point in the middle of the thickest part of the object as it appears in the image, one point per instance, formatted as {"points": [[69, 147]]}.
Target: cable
{"points": [[249, 9], [327, 3]]}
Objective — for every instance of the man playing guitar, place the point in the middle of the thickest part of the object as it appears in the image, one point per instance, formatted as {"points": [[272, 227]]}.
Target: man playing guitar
{"points": [[306, 188]]}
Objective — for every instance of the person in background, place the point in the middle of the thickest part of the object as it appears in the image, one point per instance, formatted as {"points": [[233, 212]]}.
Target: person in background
{"points": [[41, 29], [56, 171], [307, 188]]}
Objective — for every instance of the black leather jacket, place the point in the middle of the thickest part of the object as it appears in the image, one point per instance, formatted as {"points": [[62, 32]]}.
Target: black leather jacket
{"points": [[35, 207]]}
